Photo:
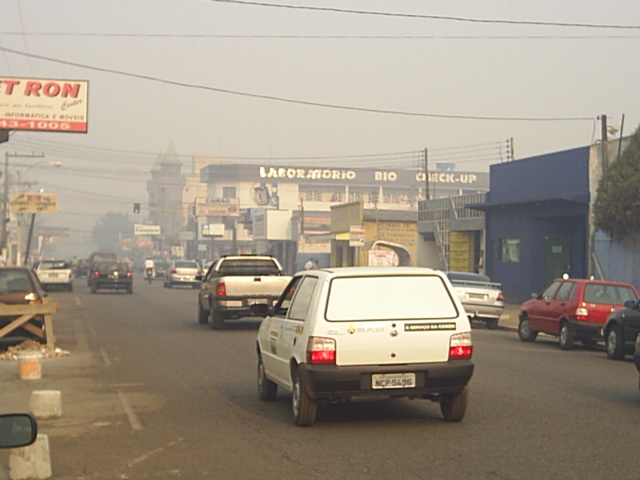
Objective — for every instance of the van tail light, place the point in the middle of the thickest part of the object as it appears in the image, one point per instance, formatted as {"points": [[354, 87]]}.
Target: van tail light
{"points": [[129, 275], [96, 274], [582, 314], [500, 297], [221, 290], [460, 346], [321, 351]]}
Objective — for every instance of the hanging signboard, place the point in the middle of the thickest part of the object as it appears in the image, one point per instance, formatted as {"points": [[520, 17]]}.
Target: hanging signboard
{"points": [[217, 207], [139, 229], [34, 202]]}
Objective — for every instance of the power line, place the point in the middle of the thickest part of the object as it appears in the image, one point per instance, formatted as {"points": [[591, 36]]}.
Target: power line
{"points": [[433, 17], [299, 102], [319, 37]]}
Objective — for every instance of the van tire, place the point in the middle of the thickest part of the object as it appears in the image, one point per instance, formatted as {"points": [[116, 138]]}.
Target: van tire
{"points": [[454, 407], [267, 390], [566, 338], [303, 406]]}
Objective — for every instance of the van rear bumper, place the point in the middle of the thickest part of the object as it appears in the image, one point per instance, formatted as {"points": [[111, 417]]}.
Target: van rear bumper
{"points": [[336, 382]]}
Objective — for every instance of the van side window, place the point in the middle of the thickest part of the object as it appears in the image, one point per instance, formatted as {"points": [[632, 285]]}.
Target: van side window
{"points": [[300, 306], [282, 307]]}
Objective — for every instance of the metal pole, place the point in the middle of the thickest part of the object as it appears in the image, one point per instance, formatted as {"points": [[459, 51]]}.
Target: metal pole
{"points": [[26, 255], [5, 195]]}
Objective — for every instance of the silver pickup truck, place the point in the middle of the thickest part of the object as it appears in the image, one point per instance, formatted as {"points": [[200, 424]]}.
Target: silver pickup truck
{"points": [[235, 283]]}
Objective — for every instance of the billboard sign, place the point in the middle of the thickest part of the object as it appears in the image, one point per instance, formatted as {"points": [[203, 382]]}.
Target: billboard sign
{"points": [[34, 202], [139, 229], [217, 207], [44, 105]]}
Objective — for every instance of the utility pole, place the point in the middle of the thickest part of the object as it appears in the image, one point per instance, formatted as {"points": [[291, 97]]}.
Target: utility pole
{"points": [[5, 195], [427, 196]]}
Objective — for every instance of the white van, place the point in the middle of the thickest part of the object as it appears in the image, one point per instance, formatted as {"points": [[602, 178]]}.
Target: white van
{"points": [[341, 334]]}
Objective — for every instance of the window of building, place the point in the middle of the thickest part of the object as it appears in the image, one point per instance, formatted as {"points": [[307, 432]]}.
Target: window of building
{"points": [[228, 192], [511, 250]]}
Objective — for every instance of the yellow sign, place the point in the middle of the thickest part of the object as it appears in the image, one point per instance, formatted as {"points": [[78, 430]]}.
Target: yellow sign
{"points": [[34, 202]]}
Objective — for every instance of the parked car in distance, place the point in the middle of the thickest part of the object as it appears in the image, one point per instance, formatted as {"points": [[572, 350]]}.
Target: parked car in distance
{"points": [[183, 272], [481, 298], [341, 334], [20, 286], [17, 430], [621, 330], [54, 273], [111, 275], [573, 309]]}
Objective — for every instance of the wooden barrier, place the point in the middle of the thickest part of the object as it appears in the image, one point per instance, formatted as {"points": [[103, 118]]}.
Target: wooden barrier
{"points": [[26, 318]]}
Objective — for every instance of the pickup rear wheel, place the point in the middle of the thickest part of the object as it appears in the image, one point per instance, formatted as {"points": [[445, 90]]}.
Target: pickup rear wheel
{"points": [[203, 315], [304, 408], [453, 407], [217, 320], [615, 343], [525, 332], [566, 339], [491, 323], [266, 388]]}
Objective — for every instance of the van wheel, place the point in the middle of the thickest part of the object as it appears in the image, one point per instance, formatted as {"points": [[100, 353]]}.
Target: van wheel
{"points": [[217, 320], [203, 315], [566, 339], [615, 343], [304, 408], [453, 407], [524, 329], [266, 388]]}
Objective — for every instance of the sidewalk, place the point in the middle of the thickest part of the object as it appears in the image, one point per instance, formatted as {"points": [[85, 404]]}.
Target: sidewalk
{"points": [[509, 317]]}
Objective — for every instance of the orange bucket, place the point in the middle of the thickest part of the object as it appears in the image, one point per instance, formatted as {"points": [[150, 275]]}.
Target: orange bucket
{"points": [[29, 364]]}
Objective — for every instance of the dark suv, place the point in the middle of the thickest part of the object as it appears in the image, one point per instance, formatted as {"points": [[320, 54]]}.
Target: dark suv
{"points": [[111, 275], [573, 309]]}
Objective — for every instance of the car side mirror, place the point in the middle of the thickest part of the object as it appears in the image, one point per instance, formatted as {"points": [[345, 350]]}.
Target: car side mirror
{"points": [[17, 430]]}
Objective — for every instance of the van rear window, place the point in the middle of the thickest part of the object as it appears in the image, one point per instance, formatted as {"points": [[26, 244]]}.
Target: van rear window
{"points": [[394, 297]]}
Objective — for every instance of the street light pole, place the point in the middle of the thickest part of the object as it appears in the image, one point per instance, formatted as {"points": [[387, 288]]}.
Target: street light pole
{"points": [[5, 194]]}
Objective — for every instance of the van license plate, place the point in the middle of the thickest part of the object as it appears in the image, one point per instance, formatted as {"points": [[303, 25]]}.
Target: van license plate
{"points": [[393, 380]]}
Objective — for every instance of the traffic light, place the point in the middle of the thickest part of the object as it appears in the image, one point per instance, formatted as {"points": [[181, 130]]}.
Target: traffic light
{"points": [[136, 208]]}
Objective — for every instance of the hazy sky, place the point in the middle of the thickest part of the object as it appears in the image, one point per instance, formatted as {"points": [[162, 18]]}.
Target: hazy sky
{"points": [[372, 82]]}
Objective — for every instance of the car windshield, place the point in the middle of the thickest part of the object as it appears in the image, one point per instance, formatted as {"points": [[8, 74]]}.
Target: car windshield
{"points": [[248, 267], [185, 264], [389, 298], [53, 265]]}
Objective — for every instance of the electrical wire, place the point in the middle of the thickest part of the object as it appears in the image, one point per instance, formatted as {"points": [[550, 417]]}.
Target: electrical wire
{"points": [[307, 103]]}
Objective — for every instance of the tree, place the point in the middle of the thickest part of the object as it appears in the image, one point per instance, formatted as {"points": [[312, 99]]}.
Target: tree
{"points": [[616, 210], [110, 230]]}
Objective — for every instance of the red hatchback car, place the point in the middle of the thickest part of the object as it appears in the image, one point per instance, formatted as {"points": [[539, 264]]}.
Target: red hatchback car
{"points": [[573, 309]]}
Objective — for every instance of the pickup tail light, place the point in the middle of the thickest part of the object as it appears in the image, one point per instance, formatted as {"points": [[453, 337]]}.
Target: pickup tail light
{"points": [[221, 290], [174, 271], [321, 351], [129, 275], [500, 297], [460, 346]]}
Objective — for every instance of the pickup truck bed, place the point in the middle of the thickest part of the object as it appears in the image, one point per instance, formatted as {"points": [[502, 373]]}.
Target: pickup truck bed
{"points": [[55, 273]]}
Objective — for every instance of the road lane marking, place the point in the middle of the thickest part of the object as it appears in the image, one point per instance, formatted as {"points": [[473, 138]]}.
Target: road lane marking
{"points": [[134, 420], [105, 357], [155, 451]]}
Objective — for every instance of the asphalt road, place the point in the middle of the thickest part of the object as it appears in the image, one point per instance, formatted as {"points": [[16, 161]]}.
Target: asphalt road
{"points": [[148, 393]]}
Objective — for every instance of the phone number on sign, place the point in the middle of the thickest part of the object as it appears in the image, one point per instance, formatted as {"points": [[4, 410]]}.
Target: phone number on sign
{"points": [[14, 124]]}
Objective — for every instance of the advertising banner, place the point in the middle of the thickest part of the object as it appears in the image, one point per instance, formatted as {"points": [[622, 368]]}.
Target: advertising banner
{"points": [[217, 207], [34, 202], [44, 105]]}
